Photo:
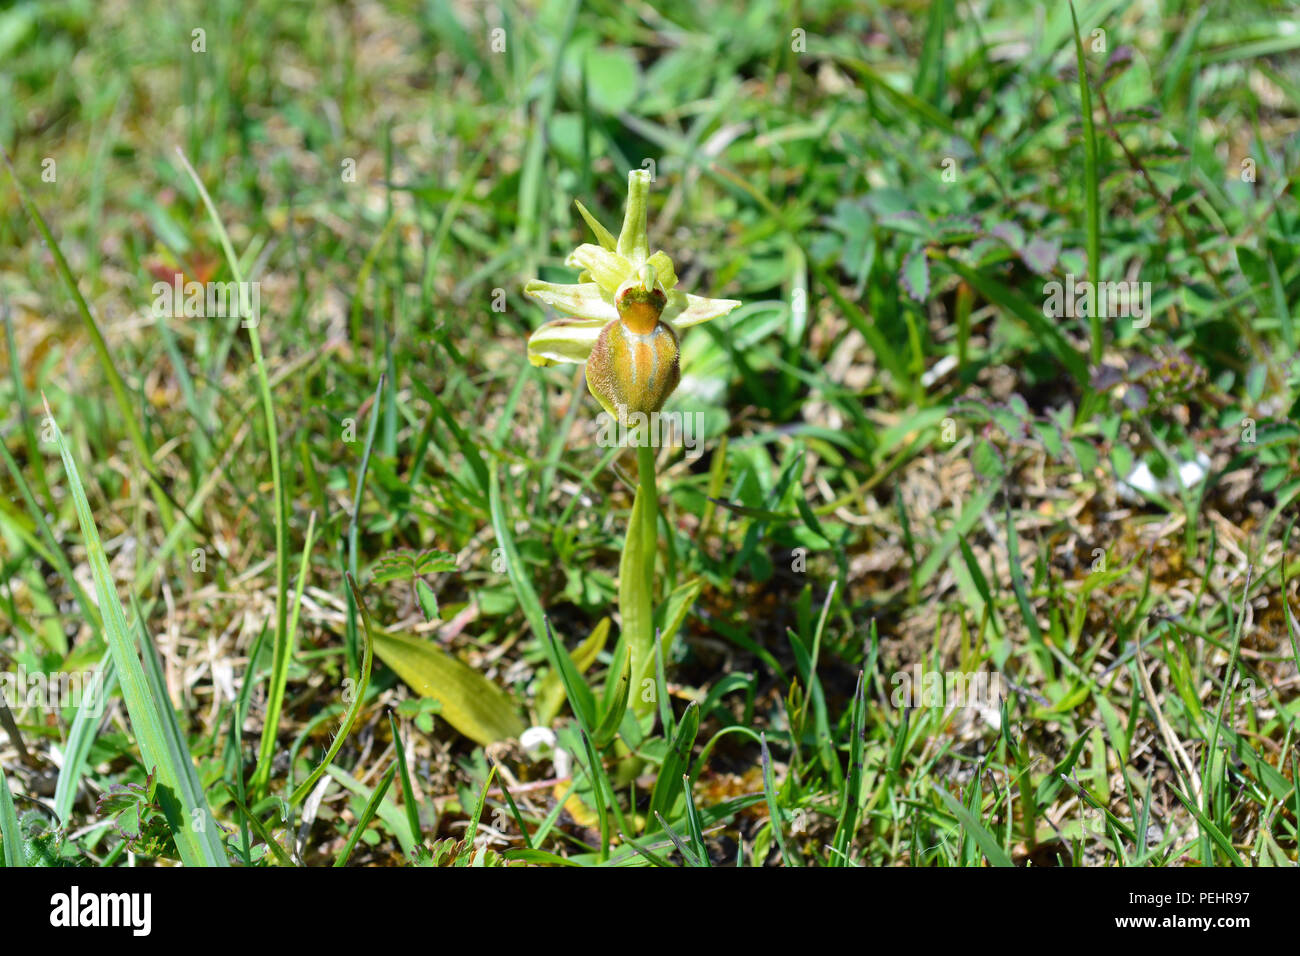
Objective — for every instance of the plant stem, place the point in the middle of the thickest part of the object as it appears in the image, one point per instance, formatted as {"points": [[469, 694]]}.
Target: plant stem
{"points": [[636, 577], [645, 475]]}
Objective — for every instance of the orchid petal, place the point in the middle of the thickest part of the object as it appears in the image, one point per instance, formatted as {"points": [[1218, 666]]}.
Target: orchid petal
{"points": [[564, 340], [584, 299], [684, 310], [608, 269], [664, 270]]}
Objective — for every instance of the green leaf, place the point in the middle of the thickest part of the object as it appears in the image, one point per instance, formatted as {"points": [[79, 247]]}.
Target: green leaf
{"points": [[915, 274], [427, 599], [403, 565], [987, 461], [667, 790], [550, 693], [614, 79], [125, 804], [603, 235], [470, 702], [607, 729], [670, 614]]}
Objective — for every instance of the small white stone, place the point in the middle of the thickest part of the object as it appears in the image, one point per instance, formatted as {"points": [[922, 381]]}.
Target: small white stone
{"points": [[939, 370], [536, 739], [1142, 480], [540, 743]]}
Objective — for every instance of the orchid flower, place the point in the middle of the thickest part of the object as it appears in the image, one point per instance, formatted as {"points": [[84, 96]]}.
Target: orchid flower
{"points": [[623, 315]]}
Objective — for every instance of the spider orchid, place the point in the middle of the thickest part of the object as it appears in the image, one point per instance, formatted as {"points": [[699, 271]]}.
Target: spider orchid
{"points": [[622, 318], [623, 315]]}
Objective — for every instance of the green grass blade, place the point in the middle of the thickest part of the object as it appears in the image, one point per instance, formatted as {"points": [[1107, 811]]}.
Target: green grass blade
{"points": [[986, 840], [581, 700], [175, 738], [1208, 826], [532, 607], [519, 817], [609, 724], [471, 831], [1044, 331], [693, 826], [372, 805], [268, 413], [408, 792], [280, 671], [57, 557], [354, 521], [774, 817], [115, 383], [13, 840], [278, 851], [198, 846], [81, 735], [388, 811], [358, 701], [849, 805], [1091, 199], [687, 853]]}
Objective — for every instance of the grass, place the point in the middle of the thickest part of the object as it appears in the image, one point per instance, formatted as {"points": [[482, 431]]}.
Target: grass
{"points": [[911, 462]]}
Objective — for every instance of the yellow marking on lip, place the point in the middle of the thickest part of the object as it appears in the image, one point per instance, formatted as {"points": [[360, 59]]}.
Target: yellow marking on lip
{"points": [[644, 356], [640, 317]]}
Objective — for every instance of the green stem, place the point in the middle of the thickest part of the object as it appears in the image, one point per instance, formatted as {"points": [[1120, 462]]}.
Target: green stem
{"points": [[645, 466], [636, 579]]}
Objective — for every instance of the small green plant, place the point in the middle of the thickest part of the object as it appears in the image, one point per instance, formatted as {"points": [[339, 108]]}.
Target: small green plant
{"points": [[137, 818], [452, 852], [623, 316], [412, 566]]}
